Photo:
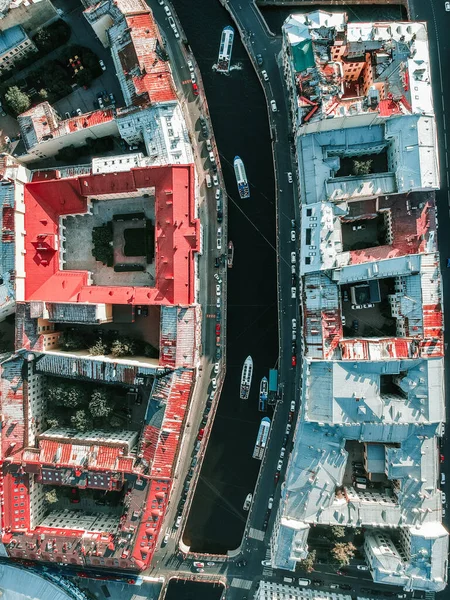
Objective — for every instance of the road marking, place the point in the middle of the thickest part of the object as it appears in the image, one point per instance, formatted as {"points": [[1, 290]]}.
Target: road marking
{"points": [[256, 534], [245, 584]]}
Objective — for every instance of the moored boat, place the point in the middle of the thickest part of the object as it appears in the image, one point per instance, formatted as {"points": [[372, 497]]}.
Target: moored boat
{"points": [[241, 177], [263, 394], [261, 438], [248, 502], [246, 378]]}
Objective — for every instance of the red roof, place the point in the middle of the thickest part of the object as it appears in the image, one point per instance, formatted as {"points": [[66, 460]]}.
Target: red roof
{"points": [[176, 236]]}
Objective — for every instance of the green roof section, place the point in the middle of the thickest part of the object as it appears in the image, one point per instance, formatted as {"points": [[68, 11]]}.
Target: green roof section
{"points": [[302, 53]]}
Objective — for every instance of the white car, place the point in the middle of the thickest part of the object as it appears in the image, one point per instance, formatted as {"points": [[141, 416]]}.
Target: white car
{"points": [[219, 243], [216, 368], [79, 112], [279, 465], [166, 538], [160, 2], [362, 567], [293, 257], [292, 407], [273, 106], [218, 303], [293, 292], [269, 506], [294, 323], [217, 193], [443, 498], [289, 176], [178, 522], [293, 269], [293, 235], [217, 277], [447, 6], [218, 290], [266, 563], [167, 11], [282, 452], [215, 180], [264, 75], [177, 35], [214, 383], [190, 66], [102, 64], [193, 78]]}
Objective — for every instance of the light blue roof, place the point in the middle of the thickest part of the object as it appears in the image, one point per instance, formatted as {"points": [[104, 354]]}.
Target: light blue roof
{"points": [[11, 37]]}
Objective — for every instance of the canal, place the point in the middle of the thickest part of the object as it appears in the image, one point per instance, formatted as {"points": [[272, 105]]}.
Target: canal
{"points": [[239, 117]]}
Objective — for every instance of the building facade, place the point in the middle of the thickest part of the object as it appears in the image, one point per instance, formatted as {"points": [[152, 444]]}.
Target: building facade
{"points": [[15, 45]]}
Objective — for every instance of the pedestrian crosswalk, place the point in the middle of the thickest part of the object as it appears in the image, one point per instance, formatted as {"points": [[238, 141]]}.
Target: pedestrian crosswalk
{"points": [[256, 534], [245, 584]]}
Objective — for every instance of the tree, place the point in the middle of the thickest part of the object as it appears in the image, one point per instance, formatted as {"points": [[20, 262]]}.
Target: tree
{"points": [[362, 167], [308, 563], [338, 531], [60, 393], [53, 422], [123, 347], [17, 100], [81, 420], [51, 496], [100, 348], [43, 94], [101, 403], [343, 552]]}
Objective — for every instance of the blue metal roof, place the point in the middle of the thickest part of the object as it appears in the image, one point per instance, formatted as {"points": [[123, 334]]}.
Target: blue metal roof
{"points": [[11, 37]]}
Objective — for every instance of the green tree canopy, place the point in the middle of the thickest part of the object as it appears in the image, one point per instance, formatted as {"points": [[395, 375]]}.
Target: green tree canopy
{"points": [[308, 563], [123, 347], [17, 100], [51, 496], [338, 531], [343, 552], [99, 348], [101, 403], [81, 420]]}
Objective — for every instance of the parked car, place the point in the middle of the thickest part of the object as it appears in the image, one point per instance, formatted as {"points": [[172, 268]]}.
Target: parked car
{"points": [[279, 465], [190, 66], [167, 10], [289, 176], [259, 59], [215, 180], [292, 407], [264, 75], [293, 257], [293, 292], [165, 539], [218, 290], [79, 112], [273, 106], [195, 89], [102, 64], [200, 565], [362, 567], [270, 504], [201, 433], [294, 360], [293, 235], [67, 115], [443, 498], [282, 452]]}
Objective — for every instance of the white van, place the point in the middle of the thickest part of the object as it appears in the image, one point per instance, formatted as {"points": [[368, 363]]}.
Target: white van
{"points": [[304, 582], [208, 180]]}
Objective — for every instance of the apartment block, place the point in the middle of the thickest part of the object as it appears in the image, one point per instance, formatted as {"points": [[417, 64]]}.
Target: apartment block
{"points": [[371, 299]]}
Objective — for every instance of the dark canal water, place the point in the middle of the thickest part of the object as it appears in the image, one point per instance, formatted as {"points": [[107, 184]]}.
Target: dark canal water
{"points": [[239, 117], [190, 590]]}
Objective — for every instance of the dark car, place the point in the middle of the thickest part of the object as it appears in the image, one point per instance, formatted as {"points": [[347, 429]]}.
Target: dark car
{"points": [[317, 582], [355, 324], [293, 223], [241, 563], [277, 477], [357, 465], [345, 586], [293, 280], [74, 495], [217, 262], [259, 59], [265, 524], [219, 216]]}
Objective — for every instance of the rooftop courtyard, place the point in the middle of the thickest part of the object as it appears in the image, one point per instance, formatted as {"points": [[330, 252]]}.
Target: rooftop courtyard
{"points": [[128, 226]]}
